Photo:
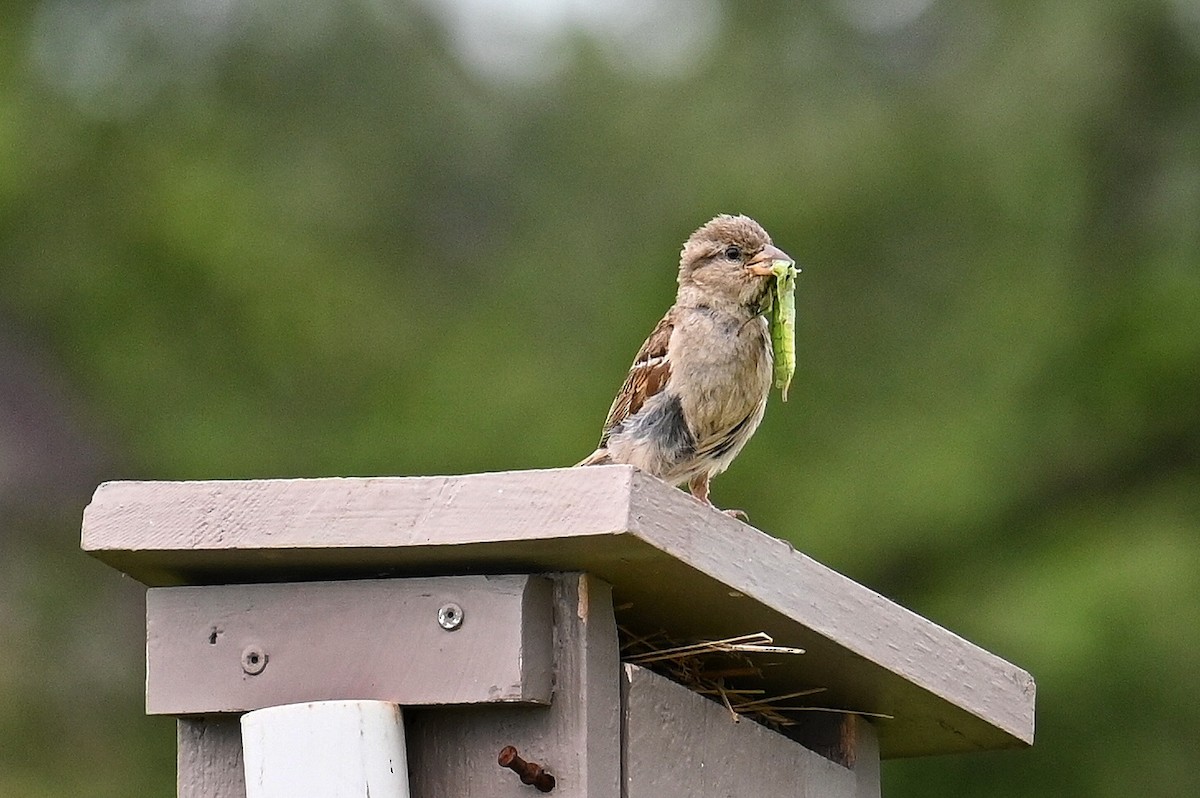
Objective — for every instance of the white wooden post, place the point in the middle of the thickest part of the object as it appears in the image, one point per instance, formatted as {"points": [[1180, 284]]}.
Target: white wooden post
{"points": [[325, 749]]}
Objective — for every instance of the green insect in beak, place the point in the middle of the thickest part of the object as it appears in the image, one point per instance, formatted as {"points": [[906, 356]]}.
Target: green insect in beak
{"points": [[783, 324]]}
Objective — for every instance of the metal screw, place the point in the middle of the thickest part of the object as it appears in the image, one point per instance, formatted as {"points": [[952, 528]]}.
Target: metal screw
{"points": [[254, 659], [450, 617], [530, 772]]}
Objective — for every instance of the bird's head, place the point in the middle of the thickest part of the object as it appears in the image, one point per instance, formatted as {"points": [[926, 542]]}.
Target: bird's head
{"points": [[728, 261]]}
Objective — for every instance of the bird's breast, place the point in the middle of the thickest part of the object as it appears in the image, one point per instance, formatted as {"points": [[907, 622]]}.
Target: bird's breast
{"points": [[720, 369]]}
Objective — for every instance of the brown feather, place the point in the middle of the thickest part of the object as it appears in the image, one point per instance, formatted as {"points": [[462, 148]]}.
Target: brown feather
{"points": [[698, 387], [649, 373]]}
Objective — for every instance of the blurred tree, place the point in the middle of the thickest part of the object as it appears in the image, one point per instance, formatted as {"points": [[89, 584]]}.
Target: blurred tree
{"points": [[247, 239]]}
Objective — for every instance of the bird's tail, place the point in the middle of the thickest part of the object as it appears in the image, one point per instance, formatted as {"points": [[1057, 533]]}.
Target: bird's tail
{"points": [[598, 457]]}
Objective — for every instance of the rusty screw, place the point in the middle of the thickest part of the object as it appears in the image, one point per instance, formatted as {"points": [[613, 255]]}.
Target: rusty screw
{"points": [[530, 772]]}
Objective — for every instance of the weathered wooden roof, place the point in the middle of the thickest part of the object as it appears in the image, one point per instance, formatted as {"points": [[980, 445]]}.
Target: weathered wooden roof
{"points": [[674, 564]]}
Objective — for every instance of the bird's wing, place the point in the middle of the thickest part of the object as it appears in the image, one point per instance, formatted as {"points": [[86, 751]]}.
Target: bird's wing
{"points": [[649, 373]]}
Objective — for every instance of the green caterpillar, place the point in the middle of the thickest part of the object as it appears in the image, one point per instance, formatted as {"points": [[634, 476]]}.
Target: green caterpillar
{"points": [[783, 324]]}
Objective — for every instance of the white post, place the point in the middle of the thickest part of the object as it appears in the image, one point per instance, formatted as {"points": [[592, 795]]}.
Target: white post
{"points": [[325, 749]]}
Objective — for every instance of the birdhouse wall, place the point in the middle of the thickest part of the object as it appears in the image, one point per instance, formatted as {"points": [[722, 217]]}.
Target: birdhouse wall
{"points": [[608, 731], [677, 743]]}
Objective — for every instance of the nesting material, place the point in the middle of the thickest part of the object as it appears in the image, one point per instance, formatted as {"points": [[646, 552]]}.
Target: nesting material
{"points": [[726, 671]]}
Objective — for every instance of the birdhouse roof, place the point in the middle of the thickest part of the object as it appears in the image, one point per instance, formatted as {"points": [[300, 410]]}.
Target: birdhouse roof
{"points": [[676, 567]]}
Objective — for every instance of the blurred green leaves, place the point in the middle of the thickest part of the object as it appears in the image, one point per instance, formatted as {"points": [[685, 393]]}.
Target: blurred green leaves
{"points": [[268, 239]]}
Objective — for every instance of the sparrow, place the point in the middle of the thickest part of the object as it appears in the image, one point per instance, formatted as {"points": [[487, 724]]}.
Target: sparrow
{"points": [[698, 387]]}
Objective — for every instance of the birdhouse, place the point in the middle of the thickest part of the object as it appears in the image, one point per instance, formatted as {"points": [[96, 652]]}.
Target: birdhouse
{"points": [[583, 632]]}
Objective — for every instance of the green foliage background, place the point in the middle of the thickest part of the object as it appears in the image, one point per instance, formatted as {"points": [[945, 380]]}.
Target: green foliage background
{"points": [[249, 239]]}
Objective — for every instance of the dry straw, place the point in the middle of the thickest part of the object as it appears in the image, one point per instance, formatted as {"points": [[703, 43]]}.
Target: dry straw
{"points": [[724, 670]]}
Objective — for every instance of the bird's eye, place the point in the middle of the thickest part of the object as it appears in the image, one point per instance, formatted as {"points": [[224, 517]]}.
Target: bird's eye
{"points": [[733, 253]]}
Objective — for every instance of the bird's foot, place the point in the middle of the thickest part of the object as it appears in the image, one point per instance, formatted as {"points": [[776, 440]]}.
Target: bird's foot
{"points": [[698, 486]]}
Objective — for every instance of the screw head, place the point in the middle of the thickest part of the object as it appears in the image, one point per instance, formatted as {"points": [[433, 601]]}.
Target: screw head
{"points": [[254, 660], [450, 617]]}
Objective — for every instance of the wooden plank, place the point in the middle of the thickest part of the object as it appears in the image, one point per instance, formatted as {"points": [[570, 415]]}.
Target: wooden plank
{"points": [[677, 743], [210, 758], [453, 750], [195, 532], [869, 653], [234, 648], [673, 563], [866, 761]]}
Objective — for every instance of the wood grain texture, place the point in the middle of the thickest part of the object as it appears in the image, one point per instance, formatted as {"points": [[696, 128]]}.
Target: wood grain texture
{"points": [[209, 758], [452, 750], [225, 529], [674, 565], [867, 651], [354, 640], [866, 761], [677, 744]]}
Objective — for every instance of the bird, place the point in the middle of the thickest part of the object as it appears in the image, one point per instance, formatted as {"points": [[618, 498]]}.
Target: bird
{"points": [[697, 390]]}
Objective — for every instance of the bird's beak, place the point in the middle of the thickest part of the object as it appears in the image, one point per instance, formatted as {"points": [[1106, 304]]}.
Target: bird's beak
{"points": [[762, 264]]}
